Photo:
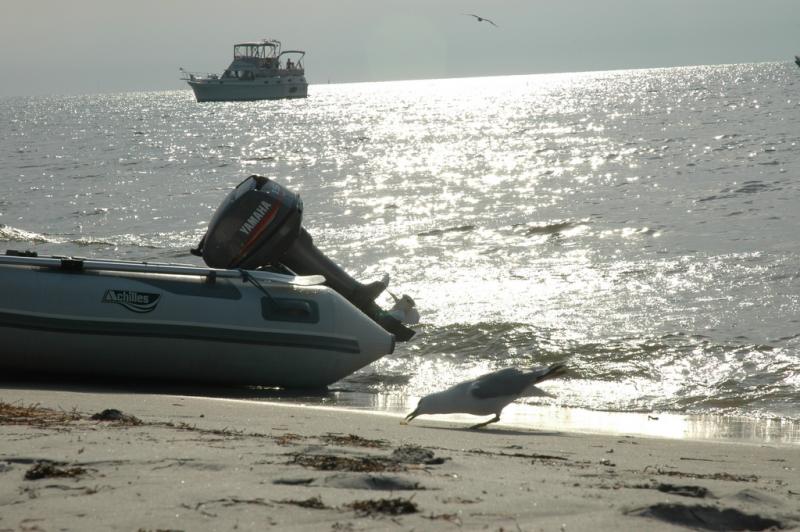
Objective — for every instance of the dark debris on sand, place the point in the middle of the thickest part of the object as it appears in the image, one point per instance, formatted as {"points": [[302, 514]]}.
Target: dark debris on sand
{"points": [[375, 507], [414, 454], [707, 517], [400, 458], [288, 438], [698, 492], [117, 416], [50, 470], [312, 502], [353, 440], [684, 490], [709, 476], [330, 462]]}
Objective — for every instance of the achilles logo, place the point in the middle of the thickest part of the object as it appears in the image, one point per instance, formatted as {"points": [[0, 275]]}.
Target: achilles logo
{"points": [[135, 301], [254, 219]]}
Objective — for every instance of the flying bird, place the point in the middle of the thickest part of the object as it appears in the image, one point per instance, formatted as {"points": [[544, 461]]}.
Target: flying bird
{"points": [[488, 394], [482, 19], [404, 310]]}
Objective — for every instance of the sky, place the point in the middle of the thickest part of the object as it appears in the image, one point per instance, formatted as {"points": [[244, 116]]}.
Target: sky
{"points": [[95, 46]]}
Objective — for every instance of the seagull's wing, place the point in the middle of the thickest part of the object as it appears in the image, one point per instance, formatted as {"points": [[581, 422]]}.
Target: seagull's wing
{"points": [[471, 15], [492, 23], [511, 381], [505, 382], [533, 391]]}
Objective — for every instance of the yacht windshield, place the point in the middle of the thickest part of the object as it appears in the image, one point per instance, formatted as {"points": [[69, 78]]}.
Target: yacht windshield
{"points": [[253, 51]]}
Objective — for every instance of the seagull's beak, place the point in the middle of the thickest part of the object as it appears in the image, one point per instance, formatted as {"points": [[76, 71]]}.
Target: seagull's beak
{"points": [[409, 417]]}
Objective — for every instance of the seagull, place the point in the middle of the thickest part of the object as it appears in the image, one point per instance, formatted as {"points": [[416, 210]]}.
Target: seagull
{"points": [[404, 310], [482, 19], [488, 394]]}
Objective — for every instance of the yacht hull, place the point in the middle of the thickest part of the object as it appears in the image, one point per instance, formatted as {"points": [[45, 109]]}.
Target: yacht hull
{"points": [[226, 90]]}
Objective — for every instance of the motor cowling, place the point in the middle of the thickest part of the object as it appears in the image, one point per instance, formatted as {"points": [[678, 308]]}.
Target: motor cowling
{"points": [[253, 227], [259, 224]]}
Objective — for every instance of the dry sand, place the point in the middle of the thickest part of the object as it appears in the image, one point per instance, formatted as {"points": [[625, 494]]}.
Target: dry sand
{"points": [[190, 463]]}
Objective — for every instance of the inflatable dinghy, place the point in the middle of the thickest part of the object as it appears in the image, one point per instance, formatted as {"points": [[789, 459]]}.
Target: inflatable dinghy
{"points": [[270, 309]]}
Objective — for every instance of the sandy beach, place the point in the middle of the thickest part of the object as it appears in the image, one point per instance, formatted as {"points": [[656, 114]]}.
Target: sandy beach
{"points": [[72, 460]]}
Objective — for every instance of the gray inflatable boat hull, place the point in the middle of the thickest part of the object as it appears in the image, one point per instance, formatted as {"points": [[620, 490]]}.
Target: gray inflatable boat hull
{"points": [[171, 322]]}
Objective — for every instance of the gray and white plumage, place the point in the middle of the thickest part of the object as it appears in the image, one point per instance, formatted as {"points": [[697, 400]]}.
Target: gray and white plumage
{"points": [[487, 394], [404, 309]]}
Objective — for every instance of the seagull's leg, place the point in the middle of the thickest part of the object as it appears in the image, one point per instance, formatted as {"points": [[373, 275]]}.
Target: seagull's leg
{"points": [[495, 419]]}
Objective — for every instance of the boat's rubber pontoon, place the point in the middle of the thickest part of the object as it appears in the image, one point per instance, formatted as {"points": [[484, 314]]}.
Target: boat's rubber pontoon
{"points": [[230, 325]]}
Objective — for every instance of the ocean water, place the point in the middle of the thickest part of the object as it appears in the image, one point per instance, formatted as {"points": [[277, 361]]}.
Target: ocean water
{"points": [[641, 225]]}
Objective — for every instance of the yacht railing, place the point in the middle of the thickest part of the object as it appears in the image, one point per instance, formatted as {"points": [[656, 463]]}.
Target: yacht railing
{"points": [[192, 76]]}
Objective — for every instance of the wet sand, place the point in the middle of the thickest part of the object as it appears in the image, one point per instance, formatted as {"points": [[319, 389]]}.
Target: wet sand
{"points": [[171, 462]]}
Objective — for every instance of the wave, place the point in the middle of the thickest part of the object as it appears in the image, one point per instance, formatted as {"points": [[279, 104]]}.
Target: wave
{"points": [[94, 212], [440, 232], [176, 242], [12, 234], [548, 228], [747, 187]]}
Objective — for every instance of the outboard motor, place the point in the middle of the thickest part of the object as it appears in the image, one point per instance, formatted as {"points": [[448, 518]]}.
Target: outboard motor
{"points": [[259, 224]]}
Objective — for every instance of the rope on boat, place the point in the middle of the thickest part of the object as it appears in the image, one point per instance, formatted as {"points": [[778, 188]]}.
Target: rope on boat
{"points": [[246, 277]]}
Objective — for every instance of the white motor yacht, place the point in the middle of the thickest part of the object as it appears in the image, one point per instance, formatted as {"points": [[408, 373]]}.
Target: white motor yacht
{"points": [[259, 71]]}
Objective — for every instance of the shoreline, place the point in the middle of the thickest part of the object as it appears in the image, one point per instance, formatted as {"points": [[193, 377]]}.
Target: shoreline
{"points": [[519, 415], [183, 462], [689, 427]]}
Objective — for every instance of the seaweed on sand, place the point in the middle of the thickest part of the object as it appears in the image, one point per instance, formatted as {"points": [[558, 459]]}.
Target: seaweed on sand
{"points": [[330, 462], [353, 440], [49, 470], [373, 507], [312, 502], [14, 414]]}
